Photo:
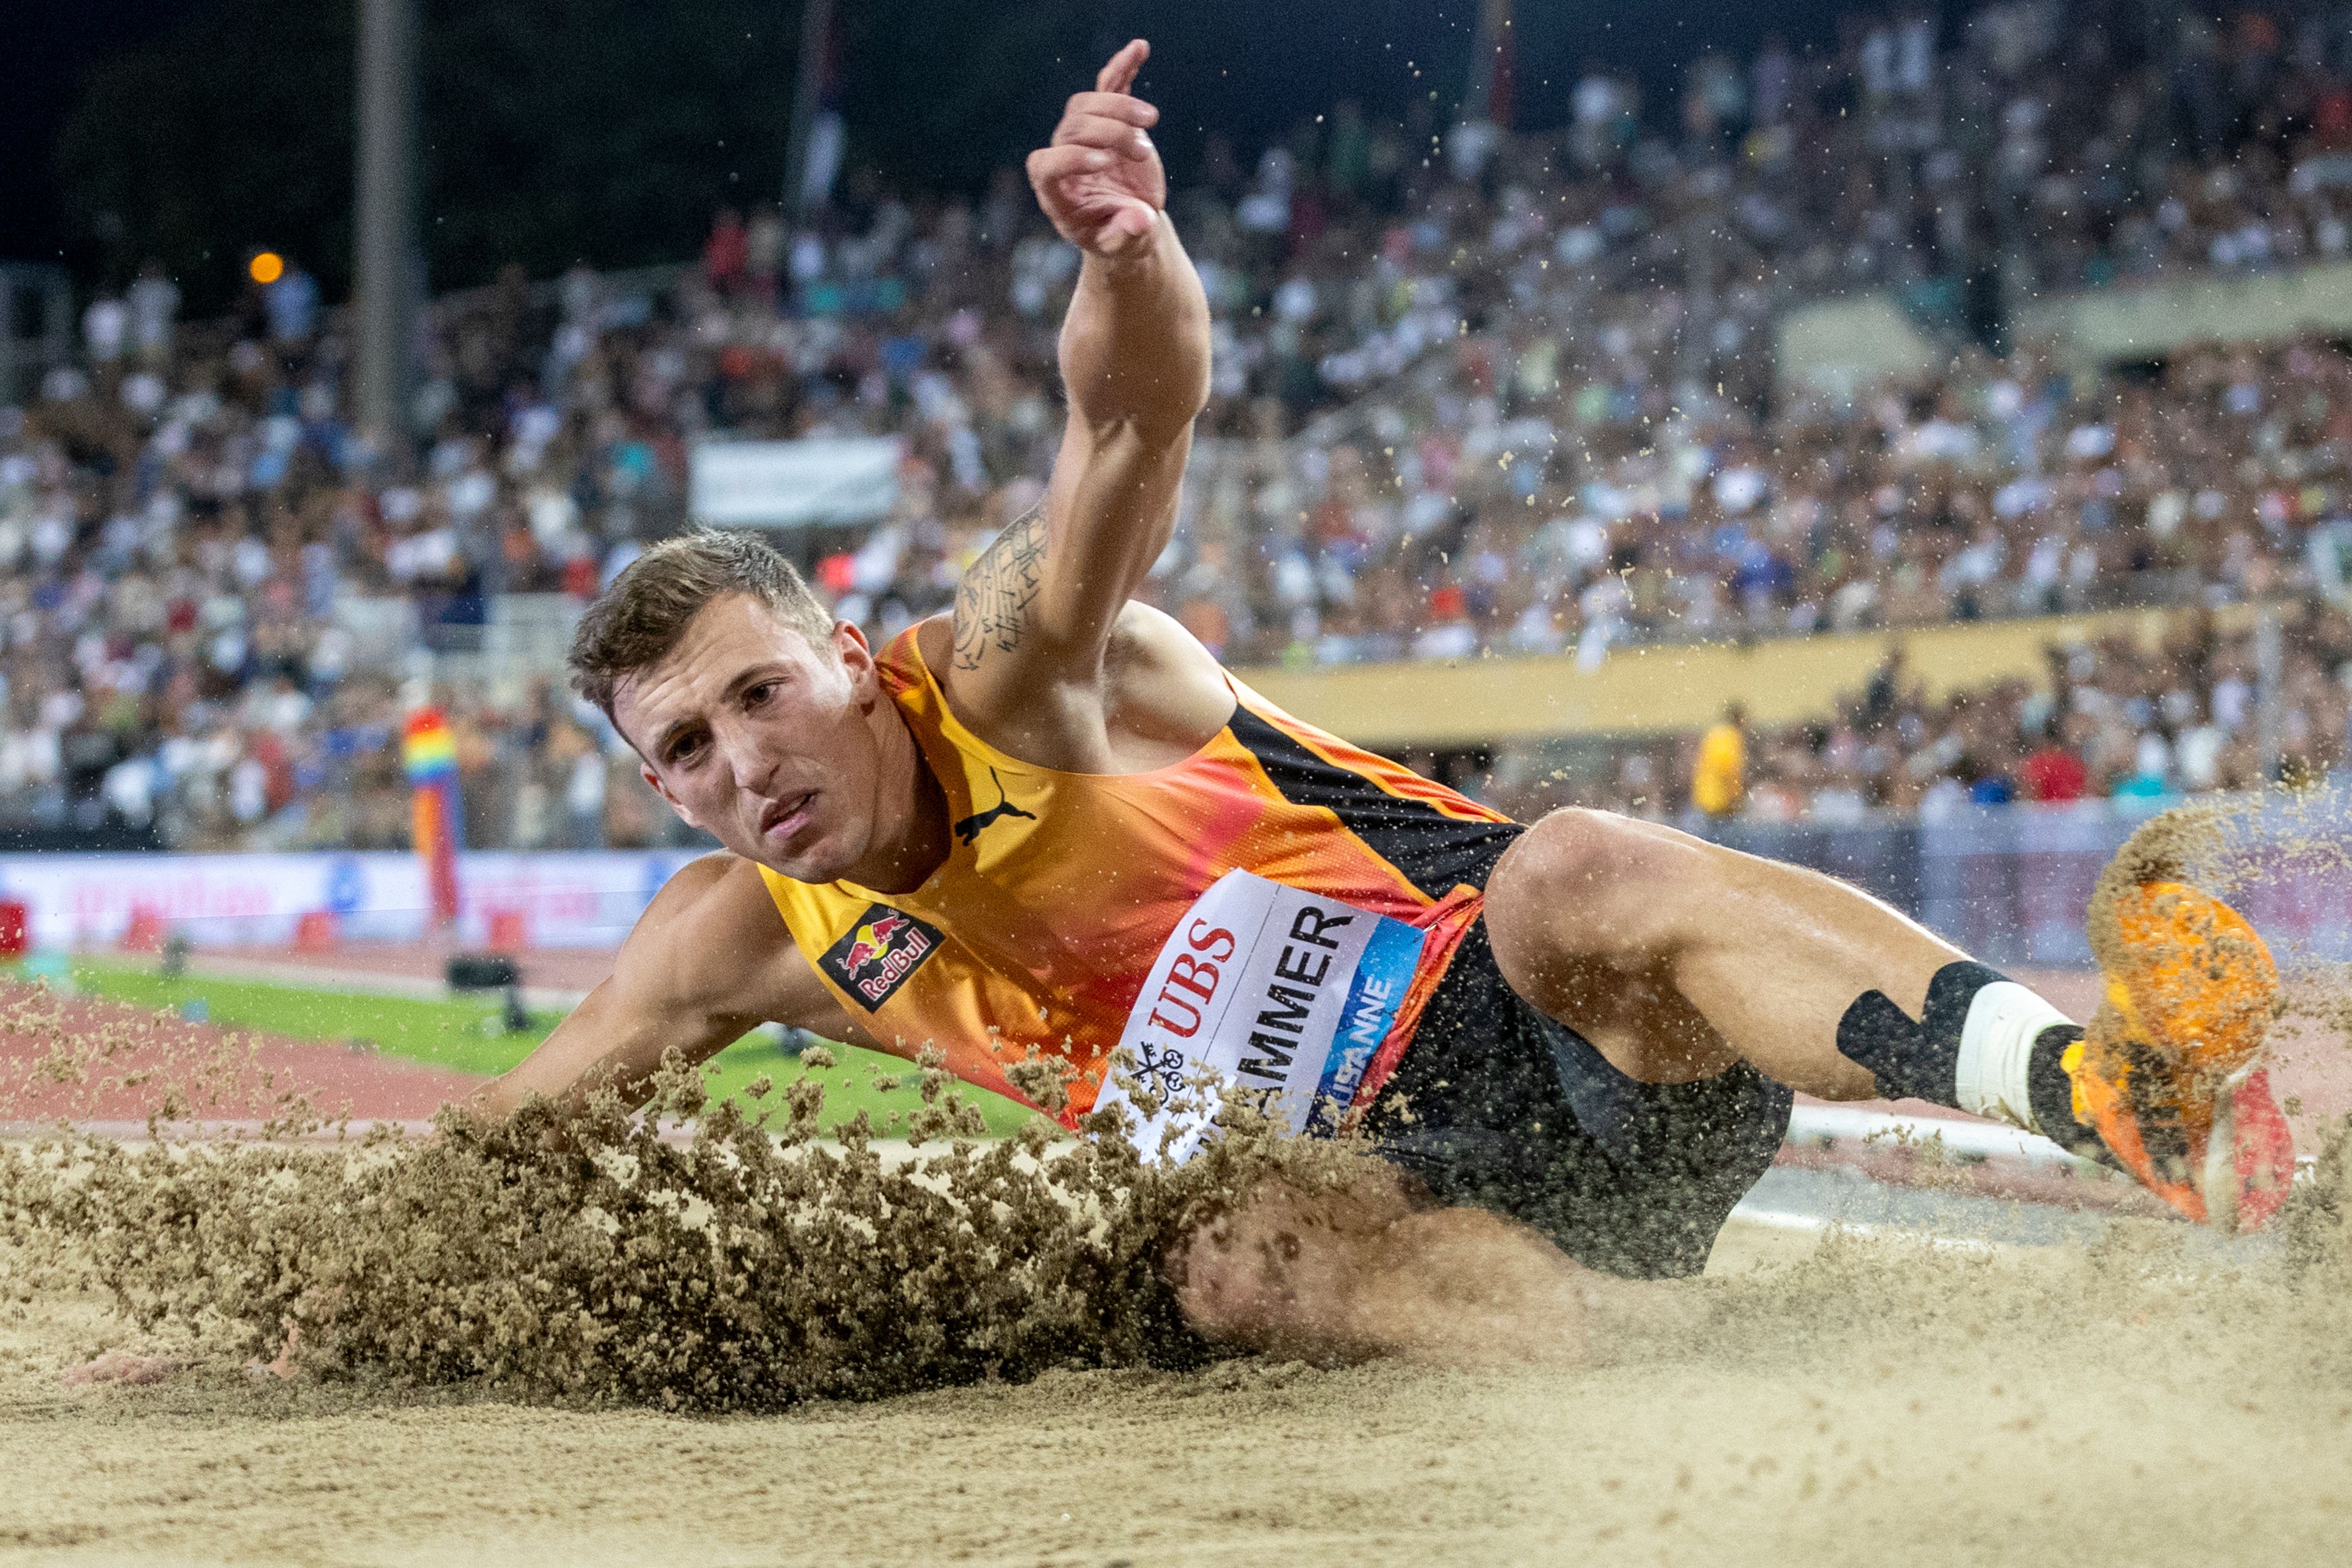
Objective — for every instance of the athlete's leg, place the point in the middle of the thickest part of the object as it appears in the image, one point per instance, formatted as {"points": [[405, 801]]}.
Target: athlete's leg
{"points": [[1677, 957], [1366, 1271], [1674, 957]]}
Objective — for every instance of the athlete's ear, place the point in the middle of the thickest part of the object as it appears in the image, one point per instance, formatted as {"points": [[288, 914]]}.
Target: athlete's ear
{"points": [[645, 772], [856, 655]]}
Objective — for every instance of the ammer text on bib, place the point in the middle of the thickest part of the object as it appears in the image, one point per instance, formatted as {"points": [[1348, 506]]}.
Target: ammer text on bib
{"points": [[1273, 990]]}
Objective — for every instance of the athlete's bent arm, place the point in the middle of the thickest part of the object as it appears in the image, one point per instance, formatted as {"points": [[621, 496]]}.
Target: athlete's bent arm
{"points": [[708, 960], [1033, 614]]}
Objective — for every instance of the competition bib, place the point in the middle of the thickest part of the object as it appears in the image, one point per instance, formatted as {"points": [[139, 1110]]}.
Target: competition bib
{"points": [[1273, 990]]}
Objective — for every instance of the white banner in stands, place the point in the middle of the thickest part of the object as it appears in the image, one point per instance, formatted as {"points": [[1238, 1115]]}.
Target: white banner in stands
{"points": [[789, 484], [588, 898]]}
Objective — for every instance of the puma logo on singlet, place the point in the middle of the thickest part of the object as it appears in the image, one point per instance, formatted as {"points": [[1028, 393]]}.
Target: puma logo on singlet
{"points": [[969, 830]]}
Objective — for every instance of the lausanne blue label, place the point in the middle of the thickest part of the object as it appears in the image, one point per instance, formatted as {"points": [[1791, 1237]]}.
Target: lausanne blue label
{"points": [[1382, 977]]}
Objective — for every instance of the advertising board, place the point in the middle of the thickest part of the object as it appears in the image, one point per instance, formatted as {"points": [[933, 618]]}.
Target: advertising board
{"points": [[588, 898]]}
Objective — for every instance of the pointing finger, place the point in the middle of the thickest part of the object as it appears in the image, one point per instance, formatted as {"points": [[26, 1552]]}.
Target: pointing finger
{"points": [[1119, 75]]}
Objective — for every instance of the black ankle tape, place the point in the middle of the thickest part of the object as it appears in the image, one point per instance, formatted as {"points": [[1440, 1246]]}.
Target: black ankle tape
{"points": [[1915, 1060], [2051, 1092]]}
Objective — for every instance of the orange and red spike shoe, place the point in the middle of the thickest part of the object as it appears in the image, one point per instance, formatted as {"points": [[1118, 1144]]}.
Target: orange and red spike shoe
{"points": [[2169, 1072]]}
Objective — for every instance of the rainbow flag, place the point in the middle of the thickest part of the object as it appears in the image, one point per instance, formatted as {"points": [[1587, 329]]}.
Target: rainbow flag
{"points": [[428, 751]]}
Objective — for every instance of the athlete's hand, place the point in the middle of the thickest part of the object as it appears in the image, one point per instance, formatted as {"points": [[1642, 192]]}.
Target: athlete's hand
{"points": [[1100, 181]]}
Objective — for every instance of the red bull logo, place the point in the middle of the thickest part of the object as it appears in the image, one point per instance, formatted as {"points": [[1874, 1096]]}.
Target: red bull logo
{"points": [[871, 941], [878, 952]]}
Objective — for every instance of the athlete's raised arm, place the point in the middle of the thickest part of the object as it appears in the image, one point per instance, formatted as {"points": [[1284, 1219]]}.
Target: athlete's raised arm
{"points": [[1033, 613]]}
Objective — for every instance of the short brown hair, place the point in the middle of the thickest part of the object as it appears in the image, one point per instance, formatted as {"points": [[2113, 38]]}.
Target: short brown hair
{"points": [[634, 624]]}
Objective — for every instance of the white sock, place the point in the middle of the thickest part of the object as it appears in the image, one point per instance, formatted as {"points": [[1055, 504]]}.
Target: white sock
{"points": [[1997, 1051]]}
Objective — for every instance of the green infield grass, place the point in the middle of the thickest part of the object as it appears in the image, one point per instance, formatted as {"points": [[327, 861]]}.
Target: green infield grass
{"points": [[468, 1032]]}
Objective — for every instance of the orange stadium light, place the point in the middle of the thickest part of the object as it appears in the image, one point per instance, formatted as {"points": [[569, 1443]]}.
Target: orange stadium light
{"points": [[267, 267]]}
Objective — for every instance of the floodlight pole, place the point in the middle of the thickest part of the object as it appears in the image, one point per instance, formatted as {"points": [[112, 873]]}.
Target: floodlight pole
{"points": [[808, 90], [388, 270], [1492, 53]]}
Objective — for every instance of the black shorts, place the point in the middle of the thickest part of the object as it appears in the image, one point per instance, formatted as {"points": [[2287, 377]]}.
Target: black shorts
{"points": [[1495, 1106]]}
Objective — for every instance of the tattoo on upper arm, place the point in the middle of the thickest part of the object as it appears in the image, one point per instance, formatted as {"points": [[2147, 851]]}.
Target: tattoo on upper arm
{"points": [[993, 598]]}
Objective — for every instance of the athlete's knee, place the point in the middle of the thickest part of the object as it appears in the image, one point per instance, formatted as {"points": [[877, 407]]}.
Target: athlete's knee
{"points": [[1590, 884], [1281, 1272], [1449, 1286], [1225, 1287]]}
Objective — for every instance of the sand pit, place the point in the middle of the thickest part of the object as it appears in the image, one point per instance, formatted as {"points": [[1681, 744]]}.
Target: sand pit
{"points": [[1848, 1399], [570, 1339], [1866, 1404]]}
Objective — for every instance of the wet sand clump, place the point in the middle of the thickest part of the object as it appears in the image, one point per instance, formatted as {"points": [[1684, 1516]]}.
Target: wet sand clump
{"points": [[699, 1256]]}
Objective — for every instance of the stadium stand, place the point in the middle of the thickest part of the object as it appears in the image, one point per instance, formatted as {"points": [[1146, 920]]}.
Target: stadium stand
{"points": [[1477, 395]]}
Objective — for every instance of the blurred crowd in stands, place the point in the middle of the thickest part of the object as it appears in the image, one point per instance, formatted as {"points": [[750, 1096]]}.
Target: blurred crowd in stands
{"points": [[2108, 717], [1475, 392]]}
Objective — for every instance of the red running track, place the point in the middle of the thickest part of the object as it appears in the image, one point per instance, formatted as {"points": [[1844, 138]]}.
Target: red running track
{"points": [[89, 1060]]}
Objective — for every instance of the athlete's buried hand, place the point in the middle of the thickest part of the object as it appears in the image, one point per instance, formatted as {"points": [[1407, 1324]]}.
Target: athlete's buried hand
{"points": [[1100, 181]]}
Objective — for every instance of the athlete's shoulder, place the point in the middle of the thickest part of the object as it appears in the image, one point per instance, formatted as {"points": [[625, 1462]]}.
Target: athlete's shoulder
{"points": [[714, 943], [704, 885], [1156, 694], [1151, 644], [1140, 635], [712, 923]]}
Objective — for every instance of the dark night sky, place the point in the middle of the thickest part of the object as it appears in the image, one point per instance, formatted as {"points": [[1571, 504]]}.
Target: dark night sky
{"points": [[1249, 65], [48, 50]]}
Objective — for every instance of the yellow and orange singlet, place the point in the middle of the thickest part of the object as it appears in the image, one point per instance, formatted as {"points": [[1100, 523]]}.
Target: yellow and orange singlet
{"points": [[1061, 891]]}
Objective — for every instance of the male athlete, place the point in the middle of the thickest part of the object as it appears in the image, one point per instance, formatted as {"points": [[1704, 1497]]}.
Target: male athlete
{"points": [[1050, 821]]}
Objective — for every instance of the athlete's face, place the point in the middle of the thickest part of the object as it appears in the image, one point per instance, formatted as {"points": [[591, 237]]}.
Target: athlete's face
{"points": [[767, 743]]}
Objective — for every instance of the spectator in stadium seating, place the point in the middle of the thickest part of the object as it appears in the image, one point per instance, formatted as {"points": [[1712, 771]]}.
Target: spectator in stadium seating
{"points": [[291, 300], [105, 328], [1718, 786], [153, 302], [2052, 774], [727, 254]]}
